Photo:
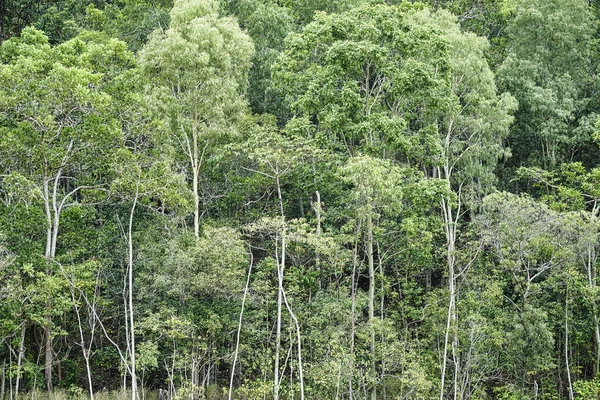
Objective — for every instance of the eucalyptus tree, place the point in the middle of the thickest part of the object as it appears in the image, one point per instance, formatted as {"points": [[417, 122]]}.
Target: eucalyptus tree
{"points": [[275, 155], [471, 134], [574, 190], [377, 191], [59, 135], [198, 68], [146, 183]]}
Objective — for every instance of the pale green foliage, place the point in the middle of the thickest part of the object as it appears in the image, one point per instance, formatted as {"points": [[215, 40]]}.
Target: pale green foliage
{"points": [[588, 389], [200, 62], [522, 232], [530, 245], [378, 184], [185, 11], [473, 130], [197, 74], [570, 187]]}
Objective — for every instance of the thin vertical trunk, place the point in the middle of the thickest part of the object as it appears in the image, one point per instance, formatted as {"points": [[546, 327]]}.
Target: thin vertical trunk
{"points": [[84, 349], [382, 316], [571, 397], [53, 211], [20, 360], [592, 282], [134, 389], [297, 325], [196, 172], [124, 360], [298, 343], [451, 320], [10, 381], [48, 254], [450, 232], [278, 331], [317, 209], [237, 341], [48, 356], [353, 308], [48, 219], [280, 267], [370, 259], [282, 298]]}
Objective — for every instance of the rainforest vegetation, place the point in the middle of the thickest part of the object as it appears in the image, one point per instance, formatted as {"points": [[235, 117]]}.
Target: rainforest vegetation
{"points": [[300, 199]]}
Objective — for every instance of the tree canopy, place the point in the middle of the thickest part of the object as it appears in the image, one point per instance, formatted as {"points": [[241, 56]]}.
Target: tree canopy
{"points": [[252, 199]]}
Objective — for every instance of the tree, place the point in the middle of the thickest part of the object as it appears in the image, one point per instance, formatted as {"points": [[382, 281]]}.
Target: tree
{"points": [[59, 136], [378, 190], [527, 242], [267, 23], [199, 67], [372, 79], [471, 135]]}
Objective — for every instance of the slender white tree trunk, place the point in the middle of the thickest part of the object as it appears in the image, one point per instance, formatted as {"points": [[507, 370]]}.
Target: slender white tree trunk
{"points": [[280, 267], [297, 325], [278, 331], [20, 360], [591, 273], [371, 262], [571, 396], [450, 230], [353, 307], [196, 172], [134, 389], [237, 340]]}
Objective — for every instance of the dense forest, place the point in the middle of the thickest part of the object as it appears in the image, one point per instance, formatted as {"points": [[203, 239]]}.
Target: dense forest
{"points": [[299, 199]]}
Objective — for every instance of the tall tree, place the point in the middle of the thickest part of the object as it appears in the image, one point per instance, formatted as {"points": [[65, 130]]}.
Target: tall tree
{"points": [[59, 136], [372, 79], [471, 135], [199, 68]]}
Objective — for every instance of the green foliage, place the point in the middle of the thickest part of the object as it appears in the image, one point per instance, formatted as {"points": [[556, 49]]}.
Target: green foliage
{"points": [[380, 114], [548, 70], [370, 78]]}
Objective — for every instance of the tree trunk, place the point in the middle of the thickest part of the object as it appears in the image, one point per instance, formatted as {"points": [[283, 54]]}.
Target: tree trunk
{"points": [[237, 341], [370, 258], [451, 318], [48, 356], [571, 396], [353, 307], [134, 390], [278, 332], [84, 349], [3, 381], [297, 325], [20, 360], [196, 172], [591, 273]]}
